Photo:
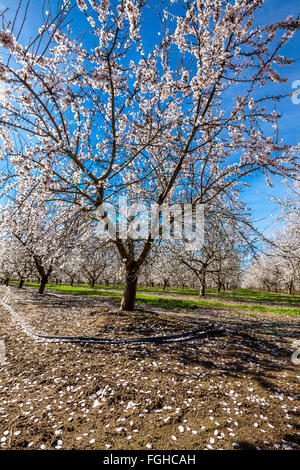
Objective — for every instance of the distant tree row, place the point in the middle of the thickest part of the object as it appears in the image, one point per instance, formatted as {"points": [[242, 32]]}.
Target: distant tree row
{"points": [[278, 268], [47, 243]]}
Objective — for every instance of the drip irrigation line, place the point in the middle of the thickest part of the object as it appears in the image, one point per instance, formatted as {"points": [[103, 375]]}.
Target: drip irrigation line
{"points": [[209, 331]]}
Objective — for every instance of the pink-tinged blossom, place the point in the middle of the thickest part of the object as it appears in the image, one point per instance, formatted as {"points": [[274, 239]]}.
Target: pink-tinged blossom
{"points": [[81, 5], [7, 40]]}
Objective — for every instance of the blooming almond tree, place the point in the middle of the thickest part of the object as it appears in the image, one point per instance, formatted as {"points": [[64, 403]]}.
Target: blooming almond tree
{"points": [[110, 112], [279, 266], [96, 258], [70, 266], [7, 266], [23, 262], [45, 232], [288, 251]]}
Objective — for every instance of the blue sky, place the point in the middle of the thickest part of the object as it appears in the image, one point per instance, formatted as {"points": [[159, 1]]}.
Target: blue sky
{"points": [[258, 196]]}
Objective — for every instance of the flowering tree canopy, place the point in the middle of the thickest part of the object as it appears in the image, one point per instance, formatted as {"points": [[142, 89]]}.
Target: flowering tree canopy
{"points": [[183, 118]]}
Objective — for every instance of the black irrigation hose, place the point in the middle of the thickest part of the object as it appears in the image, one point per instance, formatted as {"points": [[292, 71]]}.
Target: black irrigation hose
{"points": [[210, 331]]}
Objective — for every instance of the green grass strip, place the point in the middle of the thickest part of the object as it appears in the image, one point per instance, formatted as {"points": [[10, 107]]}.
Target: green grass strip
{"points": [[167, 301]]}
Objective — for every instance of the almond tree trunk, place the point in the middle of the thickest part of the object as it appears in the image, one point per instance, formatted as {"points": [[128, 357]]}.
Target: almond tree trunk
{"points": [[43, 283], [129, 295], [203, 281], [202, 278], [43, 273], [202, 289], [21, 282], [202, 285]]}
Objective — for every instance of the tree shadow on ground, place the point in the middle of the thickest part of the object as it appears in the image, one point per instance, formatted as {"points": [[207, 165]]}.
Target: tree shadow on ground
{"points": [[257, 347]]}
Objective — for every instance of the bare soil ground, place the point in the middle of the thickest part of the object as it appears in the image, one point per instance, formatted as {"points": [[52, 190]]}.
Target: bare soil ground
{"points": [[236, 391]]}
